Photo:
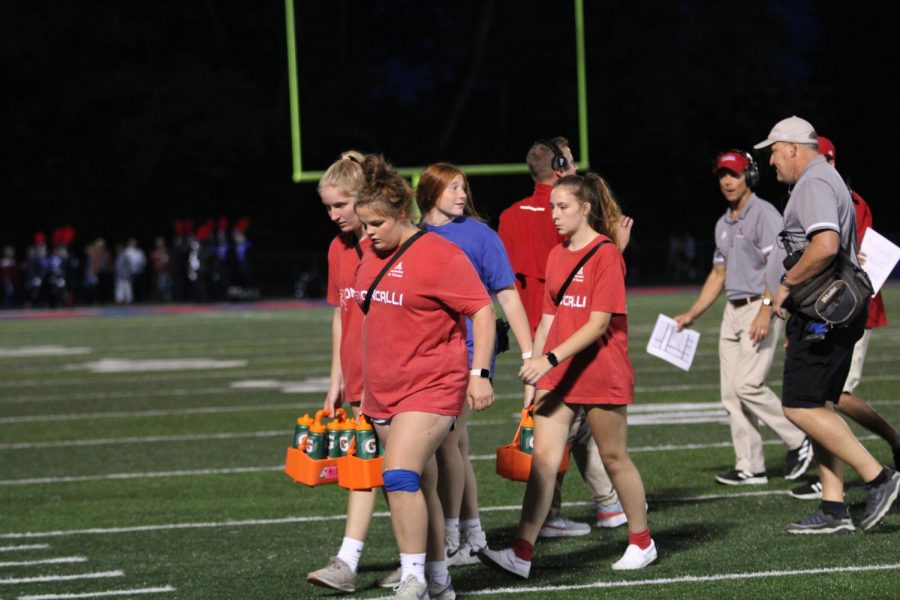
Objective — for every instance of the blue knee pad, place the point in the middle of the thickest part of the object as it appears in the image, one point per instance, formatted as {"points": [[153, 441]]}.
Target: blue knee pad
{"points": [[401, 480]]}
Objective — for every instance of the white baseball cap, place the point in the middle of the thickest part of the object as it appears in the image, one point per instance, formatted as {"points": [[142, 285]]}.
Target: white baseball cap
{"points": [[793, 129]]}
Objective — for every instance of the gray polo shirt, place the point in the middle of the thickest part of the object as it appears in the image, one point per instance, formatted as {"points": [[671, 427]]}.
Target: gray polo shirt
{"points": [[819, 201], [743, 244]]}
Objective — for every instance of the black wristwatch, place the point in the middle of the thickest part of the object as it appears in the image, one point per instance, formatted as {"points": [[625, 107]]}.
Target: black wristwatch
{"points": [[551, 358]]}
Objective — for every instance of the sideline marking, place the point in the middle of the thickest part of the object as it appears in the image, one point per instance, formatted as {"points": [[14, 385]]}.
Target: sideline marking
{"points": [[131, 592], [61, 560], [35, 351], [131, 365], [685, 579], [24, 547], [340, 517], [47, 578]]}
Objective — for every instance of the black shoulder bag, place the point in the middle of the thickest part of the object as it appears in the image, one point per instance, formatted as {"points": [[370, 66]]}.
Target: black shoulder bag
{"points": [[562, 291], [835, 296], [365, 303]]}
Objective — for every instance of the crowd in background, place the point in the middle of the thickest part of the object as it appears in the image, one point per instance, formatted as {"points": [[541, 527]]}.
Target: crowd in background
{"points": [[209, 263]]}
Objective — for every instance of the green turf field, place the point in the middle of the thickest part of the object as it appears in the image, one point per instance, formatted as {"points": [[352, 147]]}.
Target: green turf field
{"points": [[170, 484]]}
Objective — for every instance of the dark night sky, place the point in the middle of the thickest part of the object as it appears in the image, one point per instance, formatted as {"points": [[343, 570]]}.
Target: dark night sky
{"points": [[121, 116]]}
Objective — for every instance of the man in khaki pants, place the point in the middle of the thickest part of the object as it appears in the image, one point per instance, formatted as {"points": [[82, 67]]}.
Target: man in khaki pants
{"points": [[745, 235]]}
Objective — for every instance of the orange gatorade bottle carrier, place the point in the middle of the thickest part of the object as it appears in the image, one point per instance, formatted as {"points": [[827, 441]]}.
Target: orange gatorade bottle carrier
{"points": [[361, 468], [312, 467], [514, 459]]}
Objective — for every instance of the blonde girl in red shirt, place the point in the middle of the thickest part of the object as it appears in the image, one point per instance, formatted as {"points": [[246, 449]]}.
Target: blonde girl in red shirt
{"points": [[338, 189], [415, 364], [580, 357]]}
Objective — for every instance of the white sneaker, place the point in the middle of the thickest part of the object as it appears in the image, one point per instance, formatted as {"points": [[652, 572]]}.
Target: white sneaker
{"points": [[390, 580], [505, 560], [336, 575], [466, 553], [610, 515], [563, 527], [635, 558], [442, 592], [411, 589]]}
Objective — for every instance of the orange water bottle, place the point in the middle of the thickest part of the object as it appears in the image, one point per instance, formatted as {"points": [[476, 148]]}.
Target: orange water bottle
{"points": [[526, 436]]}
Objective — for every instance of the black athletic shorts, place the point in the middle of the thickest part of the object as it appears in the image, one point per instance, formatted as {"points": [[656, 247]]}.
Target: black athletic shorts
{"points": [[815, 370]]}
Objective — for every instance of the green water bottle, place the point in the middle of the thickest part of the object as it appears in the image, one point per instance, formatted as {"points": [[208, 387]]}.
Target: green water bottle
{"points": [[526, 436], [316, 447], [366, 443], [348, 432], [334, 438], [301, 430]]}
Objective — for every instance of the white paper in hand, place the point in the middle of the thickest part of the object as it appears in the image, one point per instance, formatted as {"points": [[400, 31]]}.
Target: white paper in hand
{"points": [[677, 348], [881, 257]]}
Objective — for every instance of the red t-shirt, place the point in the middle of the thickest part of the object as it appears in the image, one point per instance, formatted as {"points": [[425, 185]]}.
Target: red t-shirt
{"points": [[877, 315], [602, 372], [528, 233], [414, 336], [343, 260]]}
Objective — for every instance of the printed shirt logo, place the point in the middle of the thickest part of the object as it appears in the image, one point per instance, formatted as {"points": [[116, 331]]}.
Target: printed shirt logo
{"points": [[579, 276], [397, 271], [533, 208], [574, 301]]}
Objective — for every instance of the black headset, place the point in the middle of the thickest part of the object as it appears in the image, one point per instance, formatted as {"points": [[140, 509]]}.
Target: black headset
{"points": [[751, 173], [559, 162]]}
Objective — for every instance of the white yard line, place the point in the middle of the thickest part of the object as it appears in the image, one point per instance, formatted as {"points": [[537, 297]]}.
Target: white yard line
{"points": [[49, 578], [339, 517], [24, 547], [149, 439], [205, 410], [686, 579], [104, 594], [147, 475], [264, 469], [61, 560]]}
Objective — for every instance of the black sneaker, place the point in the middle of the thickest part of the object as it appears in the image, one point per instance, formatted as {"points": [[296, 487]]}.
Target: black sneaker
{"points": [[879, 501], [738, 477], [798, 460], [821, 522], [811, 490]]}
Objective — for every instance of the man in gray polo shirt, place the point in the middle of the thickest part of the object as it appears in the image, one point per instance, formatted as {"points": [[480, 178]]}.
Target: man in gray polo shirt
{"points": [[745, 235], [819, 219]]}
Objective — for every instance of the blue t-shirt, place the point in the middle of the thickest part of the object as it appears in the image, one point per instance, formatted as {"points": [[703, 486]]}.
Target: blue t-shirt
{"points": [[486, 252]]}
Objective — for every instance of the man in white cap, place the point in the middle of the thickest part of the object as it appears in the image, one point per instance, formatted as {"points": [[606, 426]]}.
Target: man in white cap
{"points": [[745, 236], [819, 220], [849, 404]]}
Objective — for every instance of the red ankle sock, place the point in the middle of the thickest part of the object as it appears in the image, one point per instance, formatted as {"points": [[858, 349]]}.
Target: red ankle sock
{"points": [[641, 539], [525, 551]]}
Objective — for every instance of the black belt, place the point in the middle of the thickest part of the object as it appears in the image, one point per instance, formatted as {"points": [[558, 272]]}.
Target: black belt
{"points": [[744, 301]]}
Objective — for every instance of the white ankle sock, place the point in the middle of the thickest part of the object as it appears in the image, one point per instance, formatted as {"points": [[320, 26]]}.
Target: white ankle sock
{"points": [[451, 533], [350, 552], [412, 564], [471, 529]]}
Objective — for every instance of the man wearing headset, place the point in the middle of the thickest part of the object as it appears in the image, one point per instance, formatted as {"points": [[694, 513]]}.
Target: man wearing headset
{"points": [[528, 233], [744, 237]]}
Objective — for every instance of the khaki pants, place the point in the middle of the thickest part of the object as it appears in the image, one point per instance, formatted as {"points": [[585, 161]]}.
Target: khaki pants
{"points": [[743, 369], [587, 457]]}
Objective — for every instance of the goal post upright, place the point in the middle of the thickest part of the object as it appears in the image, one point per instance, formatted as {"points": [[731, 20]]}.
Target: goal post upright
{"points": [[301, 176]]}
